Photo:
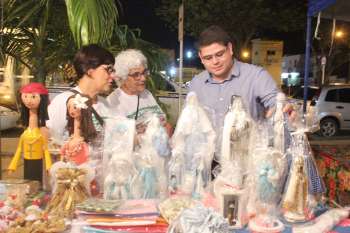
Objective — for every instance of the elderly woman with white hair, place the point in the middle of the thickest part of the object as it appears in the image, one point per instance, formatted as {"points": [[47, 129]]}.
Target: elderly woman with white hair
{"points": [[132, 99]]}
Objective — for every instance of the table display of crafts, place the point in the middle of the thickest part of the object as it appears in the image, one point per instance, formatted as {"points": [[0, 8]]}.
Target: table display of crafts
{"points": [[267, 181]]}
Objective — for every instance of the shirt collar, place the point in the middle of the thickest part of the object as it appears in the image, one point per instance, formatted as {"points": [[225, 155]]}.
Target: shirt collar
{"points": [[235, 71]]}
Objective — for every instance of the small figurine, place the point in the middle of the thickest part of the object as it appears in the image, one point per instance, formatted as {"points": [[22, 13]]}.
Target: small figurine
{"points": [[81, 128], [231, 216], [295, 199], [32, 142]]}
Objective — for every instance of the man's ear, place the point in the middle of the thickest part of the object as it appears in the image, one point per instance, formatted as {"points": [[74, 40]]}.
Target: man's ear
{"points": [[89, 73], [230, 48], [200, 56]]}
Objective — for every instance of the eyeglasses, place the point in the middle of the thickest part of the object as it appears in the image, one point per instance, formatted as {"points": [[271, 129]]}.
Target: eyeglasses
{"points": [[218, 55], [109, 69], [137, 75]]}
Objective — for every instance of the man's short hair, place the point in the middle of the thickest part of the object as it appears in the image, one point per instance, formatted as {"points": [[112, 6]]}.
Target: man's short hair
{"points": [[213, 34], [90, 57]]}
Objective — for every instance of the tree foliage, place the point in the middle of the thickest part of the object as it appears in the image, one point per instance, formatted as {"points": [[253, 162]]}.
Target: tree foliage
{"points": [[92, 21], [336, 50], [36, 33], [44, 34], [242, 19]]}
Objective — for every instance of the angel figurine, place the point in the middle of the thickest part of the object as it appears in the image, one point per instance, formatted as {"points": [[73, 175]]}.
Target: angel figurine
{"points": [[33, 142], [81, 129]]}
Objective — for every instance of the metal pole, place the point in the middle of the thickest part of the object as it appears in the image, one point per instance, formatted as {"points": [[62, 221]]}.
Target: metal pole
{"points": [[307, 61], [180, 32], [2, 31]]}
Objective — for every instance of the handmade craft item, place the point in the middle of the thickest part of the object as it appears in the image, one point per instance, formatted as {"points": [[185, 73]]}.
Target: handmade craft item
{"points": [[280, 128], [324, 223], [294, 202], [228, 184], [151, 159], [193, 145], [70, 189], [172, 207], [81, 129], [33, 143], [199, 219], [119, 182]]}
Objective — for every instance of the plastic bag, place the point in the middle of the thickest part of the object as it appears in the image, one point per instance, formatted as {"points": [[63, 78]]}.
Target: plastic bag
{"points": [[193, 145], [119, 169], [150, 159], [199, 220]]}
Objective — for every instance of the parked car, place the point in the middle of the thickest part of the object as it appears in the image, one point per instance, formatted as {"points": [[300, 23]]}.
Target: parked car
{"points": [[8, 117], [333, 106], [170, 97]]}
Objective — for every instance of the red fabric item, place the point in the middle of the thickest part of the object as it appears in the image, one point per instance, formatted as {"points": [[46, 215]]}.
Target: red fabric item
{"points": [[34, 88]]}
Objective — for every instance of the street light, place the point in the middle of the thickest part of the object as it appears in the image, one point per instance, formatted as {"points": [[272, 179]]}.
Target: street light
{"points": [[339, 34], [245, 54], [189, 54]]}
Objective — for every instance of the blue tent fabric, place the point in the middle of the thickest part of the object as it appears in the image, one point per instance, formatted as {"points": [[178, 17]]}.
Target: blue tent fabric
{"points": [[316, 6]]}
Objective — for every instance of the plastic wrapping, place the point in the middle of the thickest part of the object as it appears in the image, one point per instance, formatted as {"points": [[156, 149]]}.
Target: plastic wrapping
{"points": [[228, 184], [308, 122], [294, 202], [119, 172], [171, 208], [199, 219], [71, 187], [323, 223], [264, 184], [88, 178], [268, 184], [120, 180], [193, 146], [281, 136], [150, 160], [304, 180]]}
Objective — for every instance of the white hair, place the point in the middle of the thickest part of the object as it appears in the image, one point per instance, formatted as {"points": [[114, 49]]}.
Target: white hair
{"points": [[127, 60]]}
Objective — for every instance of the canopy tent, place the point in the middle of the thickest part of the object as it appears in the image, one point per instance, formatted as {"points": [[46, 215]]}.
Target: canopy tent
{"points": [[331, 9]]}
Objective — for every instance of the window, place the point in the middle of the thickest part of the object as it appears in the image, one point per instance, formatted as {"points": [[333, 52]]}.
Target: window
{"points": [[344, 95], [331, 96], [271, 52]]}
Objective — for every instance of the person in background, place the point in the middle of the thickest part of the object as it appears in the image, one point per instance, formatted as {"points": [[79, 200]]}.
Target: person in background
{"points": [[132, 99], [94, 67]]}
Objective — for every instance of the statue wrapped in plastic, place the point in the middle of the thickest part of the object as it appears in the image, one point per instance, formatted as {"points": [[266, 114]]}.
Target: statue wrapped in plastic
{"points": [[294, 203], [193, 150]]}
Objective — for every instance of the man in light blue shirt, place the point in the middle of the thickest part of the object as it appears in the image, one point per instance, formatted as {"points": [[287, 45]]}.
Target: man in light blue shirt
{"points": [[225, 76]]}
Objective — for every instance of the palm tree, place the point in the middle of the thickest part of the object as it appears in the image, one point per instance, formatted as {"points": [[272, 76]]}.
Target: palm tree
{"points": [[36, 32], [44, 34]]}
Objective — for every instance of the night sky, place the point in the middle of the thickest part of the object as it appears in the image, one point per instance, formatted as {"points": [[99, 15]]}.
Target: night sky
{"points": [[141, 14]]}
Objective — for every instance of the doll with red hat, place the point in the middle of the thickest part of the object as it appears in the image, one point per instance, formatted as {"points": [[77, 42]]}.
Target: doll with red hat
{"points": [[32, 143]]}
